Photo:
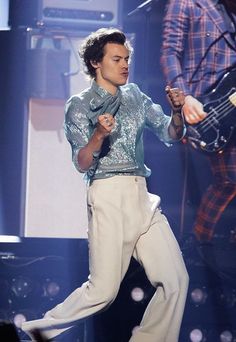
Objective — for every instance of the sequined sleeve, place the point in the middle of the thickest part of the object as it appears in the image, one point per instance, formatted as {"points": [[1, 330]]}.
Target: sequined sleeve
{"points": [[156, 120], [77, 127]]}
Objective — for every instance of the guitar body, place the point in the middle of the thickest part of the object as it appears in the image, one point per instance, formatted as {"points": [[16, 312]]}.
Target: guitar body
{"points": [[214, 132]]}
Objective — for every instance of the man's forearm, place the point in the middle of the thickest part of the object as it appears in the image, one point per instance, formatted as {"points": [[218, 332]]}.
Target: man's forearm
{"points": [[89, 152], [176, 127]]}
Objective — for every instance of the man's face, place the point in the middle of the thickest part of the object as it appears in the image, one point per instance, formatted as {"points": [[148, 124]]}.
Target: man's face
{"points": [[112, 71]]}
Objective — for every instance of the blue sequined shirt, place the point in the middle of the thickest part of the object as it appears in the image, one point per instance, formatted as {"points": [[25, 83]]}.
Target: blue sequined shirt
{"points": [[126, 154]]}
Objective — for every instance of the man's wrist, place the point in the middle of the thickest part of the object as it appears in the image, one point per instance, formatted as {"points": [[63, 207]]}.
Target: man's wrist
{"points": [[98, 135], [177, 112], [96, 154], [177, 118]]}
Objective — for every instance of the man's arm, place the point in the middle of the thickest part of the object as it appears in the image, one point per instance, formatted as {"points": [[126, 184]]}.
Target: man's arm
{"points": [[176, 100], [176, 30], [175, 33], [92, 149]]}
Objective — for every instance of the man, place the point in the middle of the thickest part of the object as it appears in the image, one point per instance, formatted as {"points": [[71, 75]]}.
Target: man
{"points": [[104, 125], [199, 48]]}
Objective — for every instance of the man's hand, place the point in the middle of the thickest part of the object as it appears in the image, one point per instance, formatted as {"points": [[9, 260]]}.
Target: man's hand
{"points": [[193, 110], [106, 123], [175, 97], [104, 127]]}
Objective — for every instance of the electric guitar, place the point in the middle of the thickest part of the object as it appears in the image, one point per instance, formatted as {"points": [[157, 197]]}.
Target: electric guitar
{"points": [[214, 132]]}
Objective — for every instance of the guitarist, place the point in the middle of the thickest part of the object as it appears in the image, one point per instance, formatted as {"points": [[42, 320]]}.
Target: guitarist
{"points": [[199, 48]]}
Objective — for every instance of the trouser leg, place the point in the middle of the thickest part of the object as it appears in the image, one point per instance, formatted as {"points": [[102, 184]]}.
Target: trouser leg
{"points": [[157, 250], [118, 216]]}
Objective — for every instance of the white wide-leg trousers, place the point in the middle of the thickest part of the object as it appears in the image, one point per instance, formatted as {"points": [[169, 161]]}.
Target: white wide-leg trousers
{"points": [[125, 221]]}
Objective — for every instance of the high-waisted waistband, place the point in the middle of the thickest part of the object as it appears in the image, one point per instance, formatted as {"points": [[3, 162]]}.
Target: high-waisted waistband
{"points": [[121, 180]]}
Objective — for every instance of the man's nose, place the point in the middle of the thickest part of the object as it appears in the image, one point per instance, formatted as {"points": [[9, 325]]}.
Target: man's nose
{"points": [[125, 64]]}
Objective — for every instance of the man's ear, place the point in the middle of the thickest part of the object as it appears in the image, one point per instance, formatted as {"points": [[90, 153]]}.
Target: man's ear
{"points": [[94, 64]]}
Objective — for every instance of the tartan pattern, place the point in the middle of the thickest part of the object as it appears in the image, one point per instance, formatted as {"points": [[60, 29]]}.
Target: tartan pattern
{"points": [[197, 51], [213, 204], [194, 56], [219, 194], [223, 165]]}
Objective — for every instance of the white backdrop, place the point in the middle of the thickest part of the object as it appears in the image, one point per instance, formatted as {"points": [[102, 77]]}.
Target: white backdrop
{"points": [[55, 196], [55, 192], [4, 14]]}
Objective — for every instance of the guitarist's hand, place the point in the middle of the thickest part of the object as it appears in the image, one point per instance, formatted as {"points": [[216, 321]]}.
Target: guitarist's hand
{"points": [[193, 110]]}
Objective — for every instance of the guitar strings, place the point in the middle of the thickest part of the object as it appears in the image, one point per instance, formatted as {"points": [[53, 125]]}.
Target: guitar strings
{"points": [[225, 107], [214, 114]]}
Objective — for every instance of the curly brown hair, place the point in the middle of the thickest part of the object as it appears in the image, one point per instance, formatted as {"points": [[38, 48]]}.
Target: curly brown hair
{"points": [[92, 48]]}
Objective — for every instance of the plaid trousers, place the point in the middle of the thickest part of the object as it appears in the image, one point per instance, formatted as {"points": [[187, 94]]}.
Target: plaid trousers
{"points": [[219, 193]]}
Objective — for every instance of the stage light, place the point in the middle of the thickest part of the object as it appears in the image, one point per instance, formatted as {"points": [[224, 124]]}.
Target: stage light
{"points": [[226, 336], [10, 238], [18, 319], [137, 294], [196, 335], [20, 316], [198, 295], [51, 288], [22, 286]]}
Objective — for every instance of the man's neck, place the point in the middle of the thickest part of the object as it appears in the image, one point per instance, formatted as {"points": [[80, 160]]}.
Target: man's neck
{"points": [[108, 86], [110, 89]]}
